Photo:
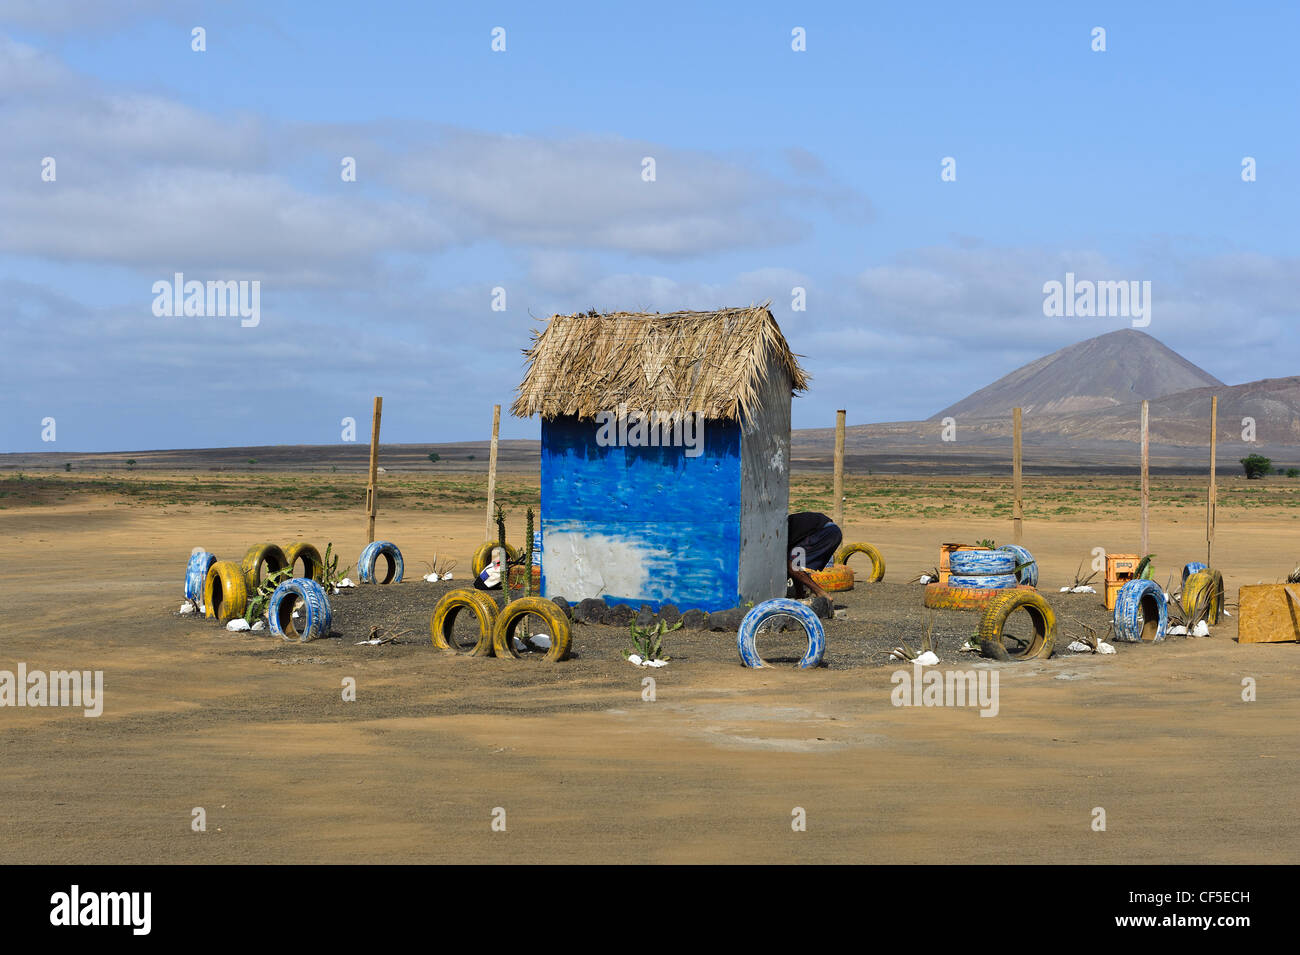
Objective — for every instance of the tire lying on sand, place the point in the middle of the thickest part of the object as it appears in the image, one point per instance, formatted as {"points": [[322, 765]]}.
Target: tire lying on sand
{"points": [[1141, 613], [983, 581], [225, 591], [945, 597], [483, 556], [1028, 572], [269, 556], [877, 561], [371, 554], [316, 612], [313, 565], [834, 579], [444, 615], [196, 574], [1192, 568], [1041, 616], [1195, 587], [508, 620], [981, 563], [780, 607]]}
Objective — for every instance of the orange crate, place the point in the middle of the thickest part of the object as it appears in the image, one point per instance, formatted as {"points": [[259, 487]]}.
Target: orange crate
{"points": [[1120, 569]]}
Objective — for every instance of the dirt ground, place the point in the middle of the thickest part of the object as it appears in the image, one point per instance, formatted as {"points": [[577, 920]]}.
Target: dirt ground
{"points": [[256, 732]]}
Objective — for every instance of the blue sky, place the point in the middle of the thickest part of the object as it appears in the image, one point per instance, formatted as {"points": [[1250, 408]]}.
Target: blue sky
{"points": [[522, 170]]}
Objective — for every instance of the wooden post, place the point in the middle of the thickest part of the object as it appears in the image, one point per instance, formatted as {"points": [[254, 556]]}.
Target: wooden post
{"points": [[371, 504], [1017, 510], [1146, 479], [1210, 499], [490, 532], [839, 469]]}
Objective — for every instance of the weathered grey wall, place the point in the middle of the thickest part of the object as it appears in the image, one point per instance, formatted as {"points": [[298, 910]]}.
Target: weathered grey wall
{"points": [[765, 492]]}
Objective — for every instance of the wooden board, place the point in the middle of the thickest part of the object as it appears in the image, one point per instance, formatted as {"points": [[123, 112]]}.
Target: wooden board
{"points": [[1267, 615]]}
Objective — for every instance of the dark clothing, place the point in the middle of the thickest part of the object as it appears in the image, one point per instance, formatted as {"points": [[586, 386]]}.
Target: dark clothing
{"points": [[812, 540]]}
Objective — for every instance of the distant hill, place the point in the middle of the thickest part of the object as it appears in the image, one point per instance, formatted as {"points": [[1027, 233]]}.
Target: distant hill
{"points": [[1114, 369]]}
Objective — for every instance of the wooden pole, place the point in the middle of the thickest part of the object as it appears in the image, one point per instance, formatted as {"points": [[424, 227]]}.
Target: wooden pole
{"points": [[371, 504], [490, 532], [1210, 499], [1146, 478], [1017, 510], [839, 468]]}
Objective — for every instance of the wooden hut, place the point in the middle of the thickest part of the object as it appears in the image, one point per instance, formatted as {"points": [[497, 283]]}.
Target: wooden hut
{"points": [[665, 455]]}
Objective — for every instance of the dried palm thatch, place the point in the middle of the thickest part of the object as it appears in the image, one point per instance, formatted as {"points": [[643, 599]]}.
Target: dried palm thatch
{"points": [[712, 363]]}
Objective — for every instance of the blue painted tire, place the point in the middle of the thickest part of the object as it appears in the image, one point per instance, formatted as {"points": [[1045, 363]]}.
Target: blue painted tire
{"points": [[366, 563], [196, 572], [981, 563], [316, 609], [983, 581], [1026, 575], [1130, 619], [1192, 568], [779, 607]]}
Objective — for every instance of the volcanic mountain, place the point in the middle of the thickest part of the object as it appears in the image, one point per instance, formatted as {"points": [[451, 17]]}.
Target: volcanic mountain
{"points": [[1117, 368]]}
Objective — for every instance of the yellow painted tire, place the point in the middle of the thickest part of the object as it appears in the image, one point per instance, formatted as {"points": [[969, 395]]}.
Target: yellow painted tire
{"points": [[515, 611], [1041, 616], [258, 555], [444, 614], [225, 591], [1193, 588], [834, 579], [313, 565], [483, 556], [877, 561]]}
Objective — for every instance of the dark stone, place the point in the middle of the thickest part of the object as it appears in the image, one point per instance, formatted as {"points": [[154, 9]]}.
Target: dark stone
{"points": [[563, 605], [727, 620], [590, 610], [669, 614], [695, 620], [645, 617], [993, 650], [619, 615], [823, 607]]}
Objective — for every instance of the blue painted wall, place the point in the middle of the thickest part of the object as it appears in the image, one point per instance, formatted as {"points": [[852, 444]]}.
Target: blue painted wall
{"points": [[641, 525]]}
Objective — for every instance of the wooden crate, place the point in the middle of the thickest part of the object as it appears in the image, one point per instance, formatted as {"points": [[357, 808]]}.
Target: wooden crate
{"points": [[1120, 569], [944, 551], [1265, 614]]}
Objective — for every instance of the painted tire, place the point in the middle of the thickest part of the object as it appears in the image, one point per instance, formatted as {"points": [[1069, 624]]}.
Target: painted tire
{"points": [[834, 579], [515, 611], [943, 597], [1195, 585], [983, 582], [483, 556], [313, 564], [316, 610], [1134, 612], [877, 561], [1192, 568], [981, 563], [225, 591], [1026, 575], [366, 563], [259, 555], [196, 574], [1040, 615], [452, 603], [781, 607]]}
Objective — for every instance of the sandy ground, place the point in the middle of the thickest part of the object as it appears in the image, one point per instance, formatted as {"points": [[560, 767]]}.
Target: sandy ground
{"points": [[257, 733]]}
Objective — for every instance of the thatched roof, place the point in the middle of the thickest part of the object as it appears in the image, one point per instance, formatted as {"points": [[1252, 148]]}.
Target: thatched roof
{"points": [[709, 362]]}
